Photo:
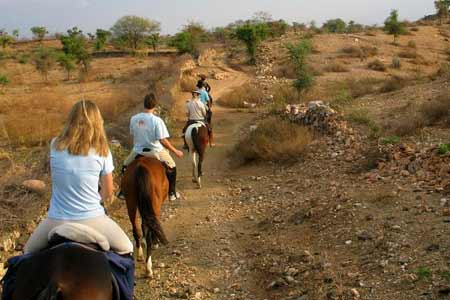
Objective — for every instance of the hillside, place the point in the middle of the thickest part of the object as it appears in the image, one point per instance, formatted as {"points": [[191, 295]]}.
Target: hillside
{"points": [[361, 213]]}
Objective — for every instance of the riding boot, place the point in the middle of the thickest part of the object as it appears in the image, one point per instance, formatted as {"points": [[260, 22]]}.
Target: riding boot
{"points": [[172, 177], [120, 194]]}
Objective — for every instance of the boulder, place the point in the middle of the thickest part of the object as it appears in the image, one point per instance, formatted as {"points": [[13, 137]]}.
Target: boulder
{"points": [[35, 186]]}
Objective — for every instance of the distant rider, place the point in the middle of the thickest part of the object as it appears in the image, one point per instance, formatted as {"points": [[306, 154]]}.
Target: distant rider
{"points": [[196, 111]]}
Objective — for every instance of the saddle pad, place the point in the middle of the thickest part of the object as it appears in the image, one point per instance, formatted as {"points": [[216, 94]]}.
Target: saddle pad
{"points": [[81, 234]]}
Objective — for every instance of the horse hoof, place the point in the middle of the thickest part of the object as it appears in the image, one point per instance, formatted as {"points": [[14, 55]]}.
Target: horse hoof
{"points": [[194, 181], [149, 274]]}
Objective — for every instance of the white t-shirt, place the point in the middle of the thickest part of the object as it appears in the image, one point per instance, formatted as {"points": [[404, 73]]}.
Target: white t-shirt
{"points": [[196, 110], [147, 131], [75, 181]]}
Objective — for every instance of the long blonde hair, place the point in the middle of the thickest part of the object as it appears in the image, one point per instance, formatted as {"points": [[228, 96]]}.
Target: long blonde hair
{"points": [[84, 131]]}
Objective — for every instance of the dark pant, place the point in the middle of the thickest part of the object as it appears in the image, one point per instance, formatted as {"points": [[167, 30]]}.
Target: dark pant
{"points": [[172, 177]]}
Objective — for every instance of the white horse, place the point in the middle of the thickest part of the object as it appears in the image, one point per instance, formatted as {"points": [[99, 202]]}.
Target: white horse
{"points": [[197, 139]]}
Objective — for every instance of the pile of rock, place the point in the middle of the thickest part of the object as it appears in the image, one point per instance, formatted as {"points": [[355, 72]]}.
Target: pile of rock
{"points": [[317, 115], [428, 169]]}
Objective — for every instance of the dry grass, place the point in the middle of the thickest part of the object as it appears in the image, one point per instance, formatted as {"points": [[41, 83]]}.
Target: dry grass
{"points": [[410, 53], [284, 71], [362, 86], [438, 110], [46, 109], [434, 112], [274, 139], [376, 65], [242, 97], [393, 84], [336, 67], [360, 52], [188, 82]]}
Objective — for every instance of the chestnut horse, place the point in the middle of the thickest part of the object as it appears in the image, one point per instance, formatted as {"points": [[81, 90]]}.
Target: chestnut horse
{"points": [[69, 272], [197, 139], [145, 187]]}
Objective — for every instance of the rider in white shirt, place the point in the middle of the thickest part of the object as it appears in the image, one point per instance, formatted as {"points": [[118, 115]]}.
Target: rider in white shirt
{"points": [[150, 138]]}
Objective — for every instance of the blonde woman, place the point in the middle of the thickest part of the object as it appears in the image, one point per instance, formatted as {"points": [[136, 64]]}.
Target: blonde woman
{"points": [[80, 161]]}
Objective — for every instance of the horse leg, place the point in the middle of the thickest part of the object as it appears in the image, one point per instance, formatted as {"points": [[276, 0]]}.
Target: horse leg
{"points": [[199, 167], [149, 262], [194, 166], [137, 232]]}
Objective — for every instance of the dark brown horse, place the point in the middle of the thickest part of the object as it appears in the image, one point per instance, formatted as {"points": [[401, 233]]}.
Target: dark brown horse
{"points": [[197, 139], [70, 272], [145, 187]]}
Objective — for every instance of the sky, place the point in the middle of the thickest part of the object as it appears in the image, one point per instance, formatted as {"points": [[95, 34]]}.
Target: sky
{"points": [[60, 15]]}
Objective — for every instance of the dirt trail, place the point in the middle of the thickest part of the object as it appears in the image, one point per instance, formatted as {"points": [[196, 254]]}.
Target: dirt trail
{"points": [[198, 261]]}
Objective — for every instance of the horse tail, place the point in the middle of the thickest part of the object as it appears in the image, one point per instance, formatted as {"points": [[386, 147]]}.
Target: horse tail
{"points": [[51, 292], [145, 206], [196, 140]]}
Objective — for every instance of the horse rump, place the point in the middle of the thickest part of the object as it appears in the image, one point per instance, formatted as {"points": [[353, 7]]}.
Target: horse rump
{"points": [[145, 207]]}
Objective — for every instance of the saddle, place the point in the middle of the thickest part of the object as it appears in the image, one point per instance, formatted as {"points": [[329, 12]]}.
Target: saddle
{"points": [[122, 267]]}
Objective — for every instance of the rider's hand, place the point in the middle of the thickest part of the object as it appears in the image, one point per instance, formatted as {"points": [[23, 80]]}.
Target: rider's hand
{"points": [[179, 153]]}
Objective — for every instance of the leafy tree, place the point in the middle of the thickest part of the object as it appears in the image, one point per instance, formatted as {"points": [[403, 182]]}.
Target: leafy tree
{"points": [[6, 40], [335, 26], [39, 32], [221, 34], [133, 30], [353, 27], [44, 60], [277, 28], [393, 26], [68, 63], [16, 33], [74, 44], [298, 55], [299, 26], [101, 38], [189, 39], [252, 35], [313, 27], [153, 41], [442, 8]]}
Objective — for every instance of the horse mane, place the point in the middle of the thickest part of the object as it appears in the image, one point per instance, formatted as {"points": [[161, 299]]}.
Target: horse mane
{"points": [[149, 220]]}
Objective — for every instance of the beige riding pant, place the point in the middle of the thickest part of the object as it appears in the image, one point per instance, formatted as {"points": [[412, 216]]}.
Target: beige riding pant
{"points": [[118, 240], [163, 156]]}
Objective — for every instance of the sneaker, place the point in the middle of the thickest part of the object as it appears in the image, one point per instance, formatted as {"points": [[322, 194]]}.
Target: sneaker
{"points": [[174, 197]]}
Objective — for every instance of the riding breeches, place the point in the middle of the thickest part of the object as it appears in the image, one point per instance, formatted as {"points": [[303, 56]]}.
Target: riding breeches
{"points": [[118, 240], [163, 156]]}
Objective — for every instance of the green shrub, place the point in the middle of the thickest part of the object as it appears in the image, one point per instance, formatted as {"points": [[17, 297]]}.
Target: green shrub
{"points": [[335, 26], [444, 148], [396, 62], [44, 59], [3, 79], [390, 140], [252, 35], [23, 59], [393, 26], [412, 45], [298, 54], [423, 273], [393, 84]]}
